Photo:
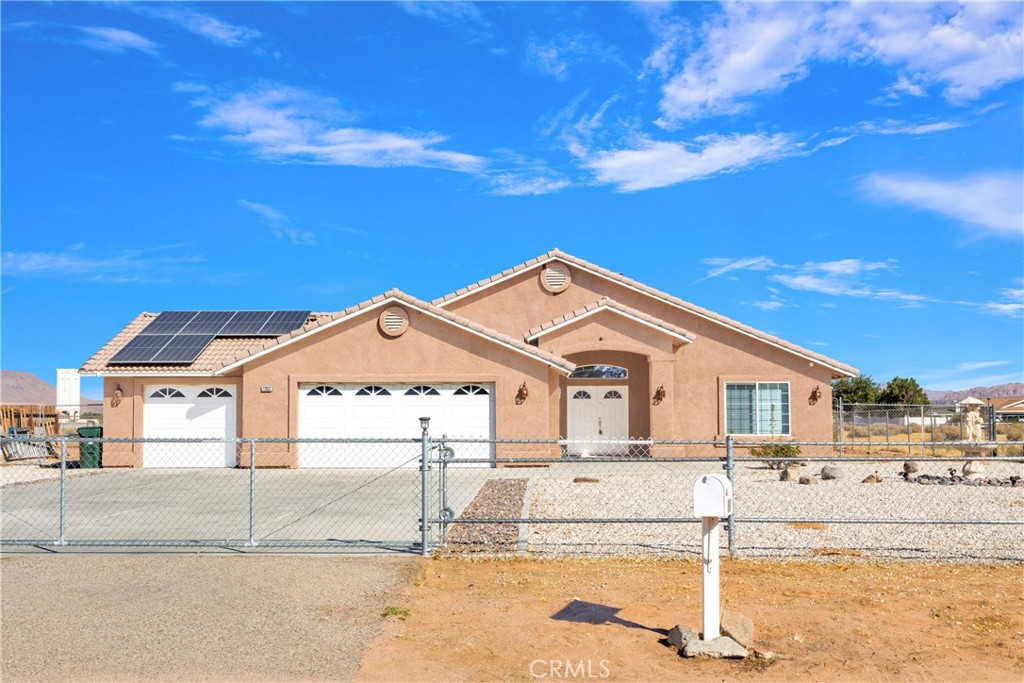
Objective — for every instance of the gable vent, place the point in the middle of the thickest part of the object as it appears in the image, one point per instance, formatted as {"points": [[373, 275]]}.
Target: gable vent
{"points": [[394, 321], [555, 278]]}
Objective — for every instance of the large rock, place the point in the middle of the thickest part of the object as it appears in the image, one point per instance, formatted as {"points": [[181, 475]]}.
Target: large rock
{"points": [[909, 467], [722, 647], [787, 475], [738, 627], [873, 478], [808, 480], [679, 636], [829, 472]]}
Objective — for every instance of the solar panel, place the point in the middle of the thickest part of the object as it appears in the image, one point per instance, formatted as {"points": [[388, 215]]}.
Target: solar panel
{"points": [[282, 322], [183, 348], [207, 322], [141, 349], [169, 322], [245, 324]]}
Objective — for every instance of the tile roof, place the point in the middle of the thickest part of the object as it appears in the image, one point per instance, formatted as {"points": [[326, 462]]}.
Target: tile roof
{"points": [[557, 254], [225, 353], [607, 303]]}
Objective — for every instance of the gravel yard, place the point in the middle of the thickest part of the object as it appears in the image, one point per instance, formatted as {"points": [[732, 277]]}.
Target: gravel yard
{"points": [[663, 490]]}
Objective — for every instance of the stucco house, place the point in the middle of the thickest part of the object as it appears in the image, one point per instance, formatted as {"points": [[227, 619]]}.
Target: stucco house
{"points": [[553, 348]]}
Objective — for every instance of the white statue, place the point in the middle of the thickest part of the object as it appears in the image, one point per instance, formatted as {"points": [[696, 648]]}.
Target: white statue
{"points": [[973, 424]]}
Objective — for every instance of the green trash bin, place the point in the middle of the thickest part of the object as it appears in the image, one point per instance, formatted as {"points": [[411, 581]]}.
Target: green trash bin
{"points": [[90, 453]]}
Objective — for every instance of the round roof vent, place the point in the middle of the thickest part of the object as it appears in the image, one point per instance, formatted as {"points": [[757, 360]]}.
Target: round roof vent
{"points": [[394, 321], [555, 278]]}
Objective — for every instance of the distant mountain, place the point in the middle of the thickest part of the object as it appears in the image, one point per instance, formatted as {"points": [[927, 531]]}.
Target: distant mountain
{"points": [[1011, 390], [28, 389]]}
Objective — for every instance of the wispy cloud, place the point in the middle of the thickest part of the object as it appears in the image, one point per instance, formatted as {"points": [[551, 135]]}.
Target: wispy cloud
{"points": [[77, 263], [288, 124], [279, 223], [516, 175], [1012, 303], [721, 266], [463, 18], [993, 202], [556, 56], [649, 163], [750, 50], [205, 25], [115, 40]]}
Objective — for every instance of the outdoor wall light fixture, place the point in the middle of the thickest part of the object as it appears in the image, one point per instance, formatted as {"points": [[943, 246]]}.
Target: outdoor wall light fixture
{"points": [[659, 394], [521, 394], [815, 395], [424, 423], [115, 400]]}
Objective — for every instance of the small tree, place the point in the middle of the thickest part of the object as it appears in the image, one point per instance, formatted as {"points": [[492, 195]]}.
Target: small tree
{"points": [[859, 389], [903, 390]]}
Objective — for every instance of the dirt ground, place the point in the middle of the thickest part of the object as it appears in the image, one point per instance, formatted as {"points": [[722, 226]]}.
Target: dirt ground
{"points": [[503, 619]]}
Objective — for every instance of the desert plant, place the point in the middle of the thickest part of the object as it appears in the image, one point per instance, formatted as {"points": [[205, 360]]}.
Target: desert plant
{"points": [[777, 455]]}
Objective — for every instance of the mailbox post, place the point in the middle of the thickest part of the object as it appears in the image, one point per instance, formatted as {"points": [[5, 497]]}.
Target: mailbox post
{"points": [[712, 500]]}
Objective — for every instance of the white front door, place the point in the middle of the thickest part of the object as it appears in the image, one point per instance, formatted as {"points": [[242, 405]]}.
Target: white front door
{"points": [[598, 415], [188, 412]]}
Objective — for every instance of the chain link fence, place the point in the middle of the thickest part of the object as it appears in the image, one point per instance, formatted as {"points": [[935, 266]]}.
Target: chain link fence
{"points": [[525, 496]]}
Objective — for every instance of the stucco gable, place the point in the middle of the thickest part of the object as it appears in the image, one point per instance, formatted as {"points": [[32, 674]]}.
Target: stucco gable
{"points": [[609, 305], [838, 369], [392, 297]]}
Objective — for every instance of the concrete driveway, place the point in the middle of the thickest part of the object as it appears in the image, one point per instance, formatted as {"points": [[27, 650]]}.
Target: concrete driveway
{"points": [[341, 509]]}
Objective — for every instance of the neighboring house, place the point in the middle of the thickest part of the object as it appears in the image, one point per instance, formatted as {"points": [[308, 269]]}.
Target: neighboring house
{"points": [[1008, 409], [554, 348]]}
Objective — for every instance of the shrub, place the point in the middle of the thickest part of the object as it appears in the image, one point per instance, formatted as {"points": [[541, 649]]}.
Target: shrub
{"points": [[777, 455], [1013, 431]]}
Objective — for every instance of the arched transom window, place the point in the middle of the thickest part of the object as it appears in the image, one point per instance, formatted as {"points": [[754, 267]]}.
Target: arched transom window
{"points": [[422, 390], [599, 372], [581, 394], [373, 390]]}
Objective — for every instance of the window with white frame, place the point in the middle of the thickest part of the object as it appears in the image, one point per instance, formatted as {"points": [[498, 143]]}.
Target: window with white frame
{"points": [[760, 408]]}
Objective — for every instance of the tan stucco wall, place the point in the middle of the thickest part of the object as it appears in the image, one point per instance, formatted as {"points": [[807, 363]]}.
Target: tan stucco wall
{"points": [[431, 350], [694, 380]]}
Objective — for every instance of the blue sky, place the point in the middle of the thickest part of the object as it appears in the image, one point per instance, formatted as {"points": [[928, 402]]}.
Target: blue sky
{"points": [[848, 177]]}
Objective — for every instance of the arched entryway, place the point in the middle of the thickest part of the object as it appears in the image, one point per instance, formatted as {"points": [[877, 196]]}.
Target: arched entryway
{"points": [[605, 400]]}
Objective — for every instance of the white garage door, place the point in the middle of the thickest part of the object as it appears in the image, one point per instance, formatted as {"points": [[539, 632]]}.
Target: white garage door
{"points": [[188, 412], [391, 411]]}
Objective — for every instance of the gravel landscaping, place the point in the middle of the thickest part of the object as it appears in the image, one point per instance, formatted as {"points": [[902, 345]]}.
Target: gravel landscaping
{"points": [[594, 490]]}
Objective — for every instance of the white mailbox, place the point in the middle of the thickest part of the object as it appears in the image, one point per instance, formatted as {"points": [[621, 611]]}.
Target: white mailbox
{"points": [[712, 496]]}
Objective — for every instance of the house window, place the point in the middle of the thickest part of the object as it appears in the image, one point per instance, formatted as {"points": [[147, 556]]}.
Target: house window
{"points": [[214, 392], [612, 394], [760, 408], [581, 394], [599, 372], [373, 390], [323, 390], [167, 392], [471, 390], [422, 390]]}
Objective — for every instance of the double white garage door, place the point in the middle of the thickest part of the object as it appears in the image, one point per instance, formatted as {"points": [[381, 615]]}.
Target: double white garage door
{"points": [[391, 411], [326, 411]]}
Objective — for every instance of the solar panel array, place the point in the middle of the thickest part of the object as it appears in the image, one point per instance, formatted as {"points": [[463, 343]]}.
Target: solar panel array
{"points": [[180, 336]]}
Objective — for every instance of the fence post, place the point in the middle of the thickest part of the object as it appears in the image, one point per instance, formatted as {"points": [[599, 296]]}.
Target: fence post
{"points": [[61, 540], [729, 467], [252, 493], [425, 486]]}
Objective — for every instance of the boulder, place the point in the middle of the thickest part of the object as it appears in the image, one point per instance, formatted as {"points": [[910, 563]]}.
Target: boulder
{"points": [[738, 627], [909, 467], [679, 636], [873, 478], [808, 480], [787, 475], [829, 472]]}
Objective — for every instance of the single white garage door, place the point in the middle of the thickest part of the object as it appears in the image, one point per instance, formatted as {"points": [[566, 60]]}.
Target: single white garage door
{"points": [[392, 411], [188, 412]]}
